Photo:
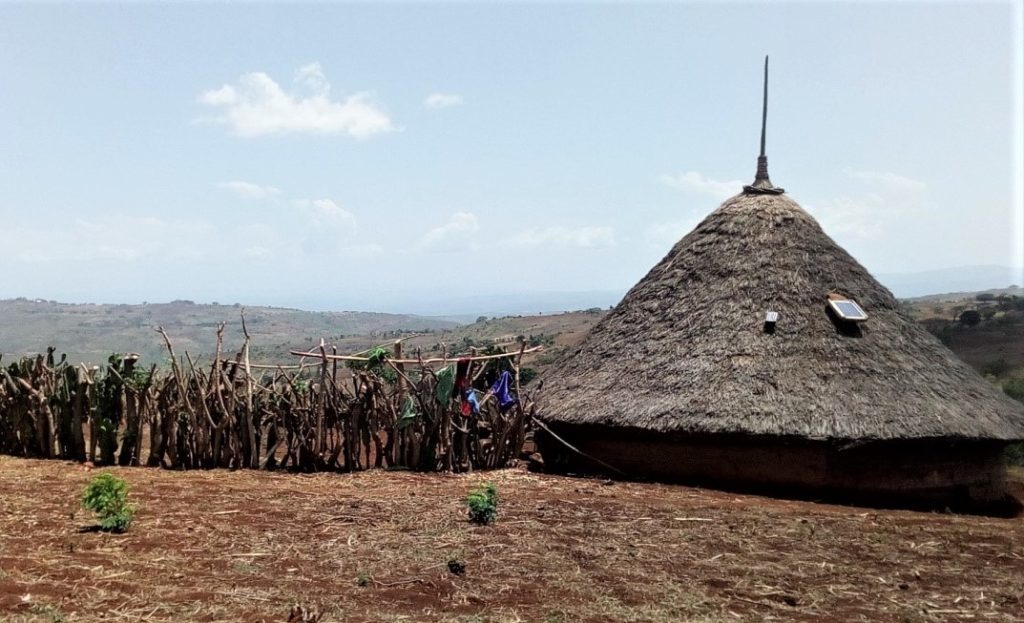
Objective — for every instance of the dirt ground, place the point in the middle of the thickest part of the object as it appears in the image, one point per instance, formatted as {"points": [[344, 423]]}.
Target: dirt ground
{"points": [[376, 546]]}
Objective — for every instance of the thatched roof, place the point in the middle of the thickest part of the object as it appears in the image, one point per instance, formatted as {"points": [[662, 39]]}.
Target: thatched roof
{"points": [[686, 349]]}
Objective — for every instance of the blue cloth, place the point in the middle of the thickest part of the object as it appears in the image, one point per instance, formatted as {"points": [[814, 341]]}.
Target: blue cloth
{"points": [[473, 402], [502, 392]]}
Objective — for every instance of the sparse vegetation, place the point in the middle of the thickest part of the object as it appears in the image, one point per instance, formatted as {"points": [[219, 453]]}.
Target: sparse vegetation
{"points": [[563, 549], [526, 375], [996, 367], [482, 503], [377, 364], [93, 331], [970, 317], [992, 342], [50, 614], [107, 497], [1014, 388]]}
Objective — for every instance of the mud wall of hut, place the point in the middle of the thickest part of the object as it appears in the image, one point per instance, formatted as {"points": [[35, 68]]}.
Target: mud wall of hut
{"points": [[926, 470]]}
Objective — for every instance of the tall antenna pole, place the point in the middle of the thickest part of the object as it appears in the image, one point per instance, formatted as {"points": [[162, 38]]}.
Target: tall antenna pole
{"points": [[764, 106], [762, 184]]}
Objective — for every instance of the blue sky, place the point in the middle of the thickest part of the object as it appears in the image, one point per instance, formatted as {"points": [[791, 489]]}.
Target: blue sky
{"points": [[371, 156]]}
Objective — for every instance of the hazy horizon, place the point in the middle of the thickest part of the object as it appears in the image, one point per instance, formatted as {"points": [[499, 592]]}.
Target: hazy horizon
{"points": [[910, 285]]}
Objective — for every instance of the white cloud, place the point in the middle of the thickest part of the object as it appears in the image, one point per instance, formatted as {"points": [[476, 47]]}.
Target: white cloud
{"points": [[696, 182], [442, 100], [312, 78], [249, 191], [564, 236], [863, 216], [666, 234], [325, 213], [258, 106], [224, 96], [888, 180], [455, 235], [871, 214]]}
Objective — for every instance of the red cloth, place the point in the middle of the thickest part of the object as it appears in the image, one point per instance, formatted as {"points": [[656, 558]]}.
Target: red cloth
{"points": [[462, 374], [462, 382]]}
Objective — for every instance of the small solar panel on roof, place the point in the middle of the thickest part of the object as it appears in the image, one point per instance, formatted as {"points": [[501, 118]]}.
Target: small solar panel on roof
{"points": [[848, 310]]}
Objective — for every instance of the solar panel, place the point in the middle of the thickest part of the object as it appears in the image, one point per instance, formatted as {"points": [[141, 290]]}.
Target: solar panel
{"points": [[848, 310]]}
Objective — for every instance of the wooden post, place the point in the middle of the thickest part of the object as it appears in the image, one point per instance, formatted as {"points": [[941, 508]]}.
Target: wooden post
{"points": [[249, 423], [78, 415]]}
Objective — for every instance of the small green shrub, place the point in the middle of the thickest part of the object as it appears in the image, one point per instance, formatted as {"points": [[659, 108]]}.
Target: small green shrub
{"points": [[1015, 454], [1014, 388], [526, 375], [970, 317], [482, 503], [51, 613], [996, 367], [107, 496]]}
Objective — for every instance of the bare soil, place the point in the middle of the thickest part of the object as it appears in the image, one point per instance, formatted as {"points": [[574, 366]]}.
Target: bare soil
{"points": [[376, 546]]}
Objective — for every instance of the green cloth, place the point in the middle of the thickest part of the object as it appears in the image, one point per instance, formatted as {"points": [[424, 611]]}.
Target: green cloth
{"points": [[408, 413], [376, 356], [445, 384]]}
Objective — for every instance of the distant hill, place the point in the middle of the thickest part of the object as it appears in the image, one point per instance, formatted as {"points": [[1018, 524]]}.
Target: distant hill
{"points": [[962, 279], [994, 344], [511, 304], [90, 333]]}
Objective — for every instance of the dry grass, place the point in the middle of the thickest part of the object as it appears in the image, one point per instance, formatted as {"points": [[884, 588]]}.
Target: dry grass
{"points": [[374, 546]]}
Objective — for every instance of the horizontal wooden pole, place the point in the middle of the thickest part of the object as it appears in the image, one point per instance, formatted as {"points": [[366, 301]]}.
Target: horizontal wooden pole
{"points": [[316, 355]]}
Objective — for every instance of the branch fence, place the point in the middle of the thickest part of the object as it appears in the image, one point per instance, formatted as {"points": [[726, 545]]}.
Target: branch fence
{"points": [[377, 412]]}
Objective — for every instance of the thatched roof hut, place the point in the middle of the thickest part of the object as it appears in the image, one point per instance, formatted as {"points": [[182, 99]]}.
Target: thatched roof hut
{"points": [[685, 378]]}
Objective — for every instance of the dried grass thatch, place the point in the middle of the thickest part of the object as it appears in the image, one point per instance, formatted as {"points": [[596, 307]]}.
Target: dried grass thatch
{"points": [[686, 350]]}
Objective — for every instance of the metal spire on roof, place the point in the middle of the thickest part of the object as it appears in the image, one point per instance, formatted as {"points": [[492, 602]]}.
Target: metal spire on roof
{"points": [[762, 184]]}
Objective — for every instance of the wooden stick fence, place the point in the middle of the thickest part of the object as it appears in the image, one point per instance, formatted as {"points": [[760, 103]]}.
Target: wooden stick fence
{"points": [[232, 413]]}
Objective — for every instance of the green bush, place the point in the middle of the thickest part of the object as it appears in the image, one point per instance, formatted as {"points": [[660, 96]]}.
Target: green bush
{"points": [[996, 367], [483, 504], [1014, 388], [1015, 454], [526, 375], [107, 496], [970, 317], [377, 364]]}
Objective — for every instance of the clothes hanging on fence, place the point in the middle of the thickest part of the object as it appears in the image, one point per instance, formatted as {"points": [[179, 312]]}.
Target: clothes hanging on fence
{"points": [[408, 413], [502, 392], [445, 384], [462, 374], [472, 402], [469, 404], [463, 385]]}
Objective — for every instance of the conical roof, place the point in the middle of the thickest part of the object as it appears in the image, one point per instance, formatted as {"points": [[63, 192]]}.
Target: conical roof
{"points": [[687, 351]]}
